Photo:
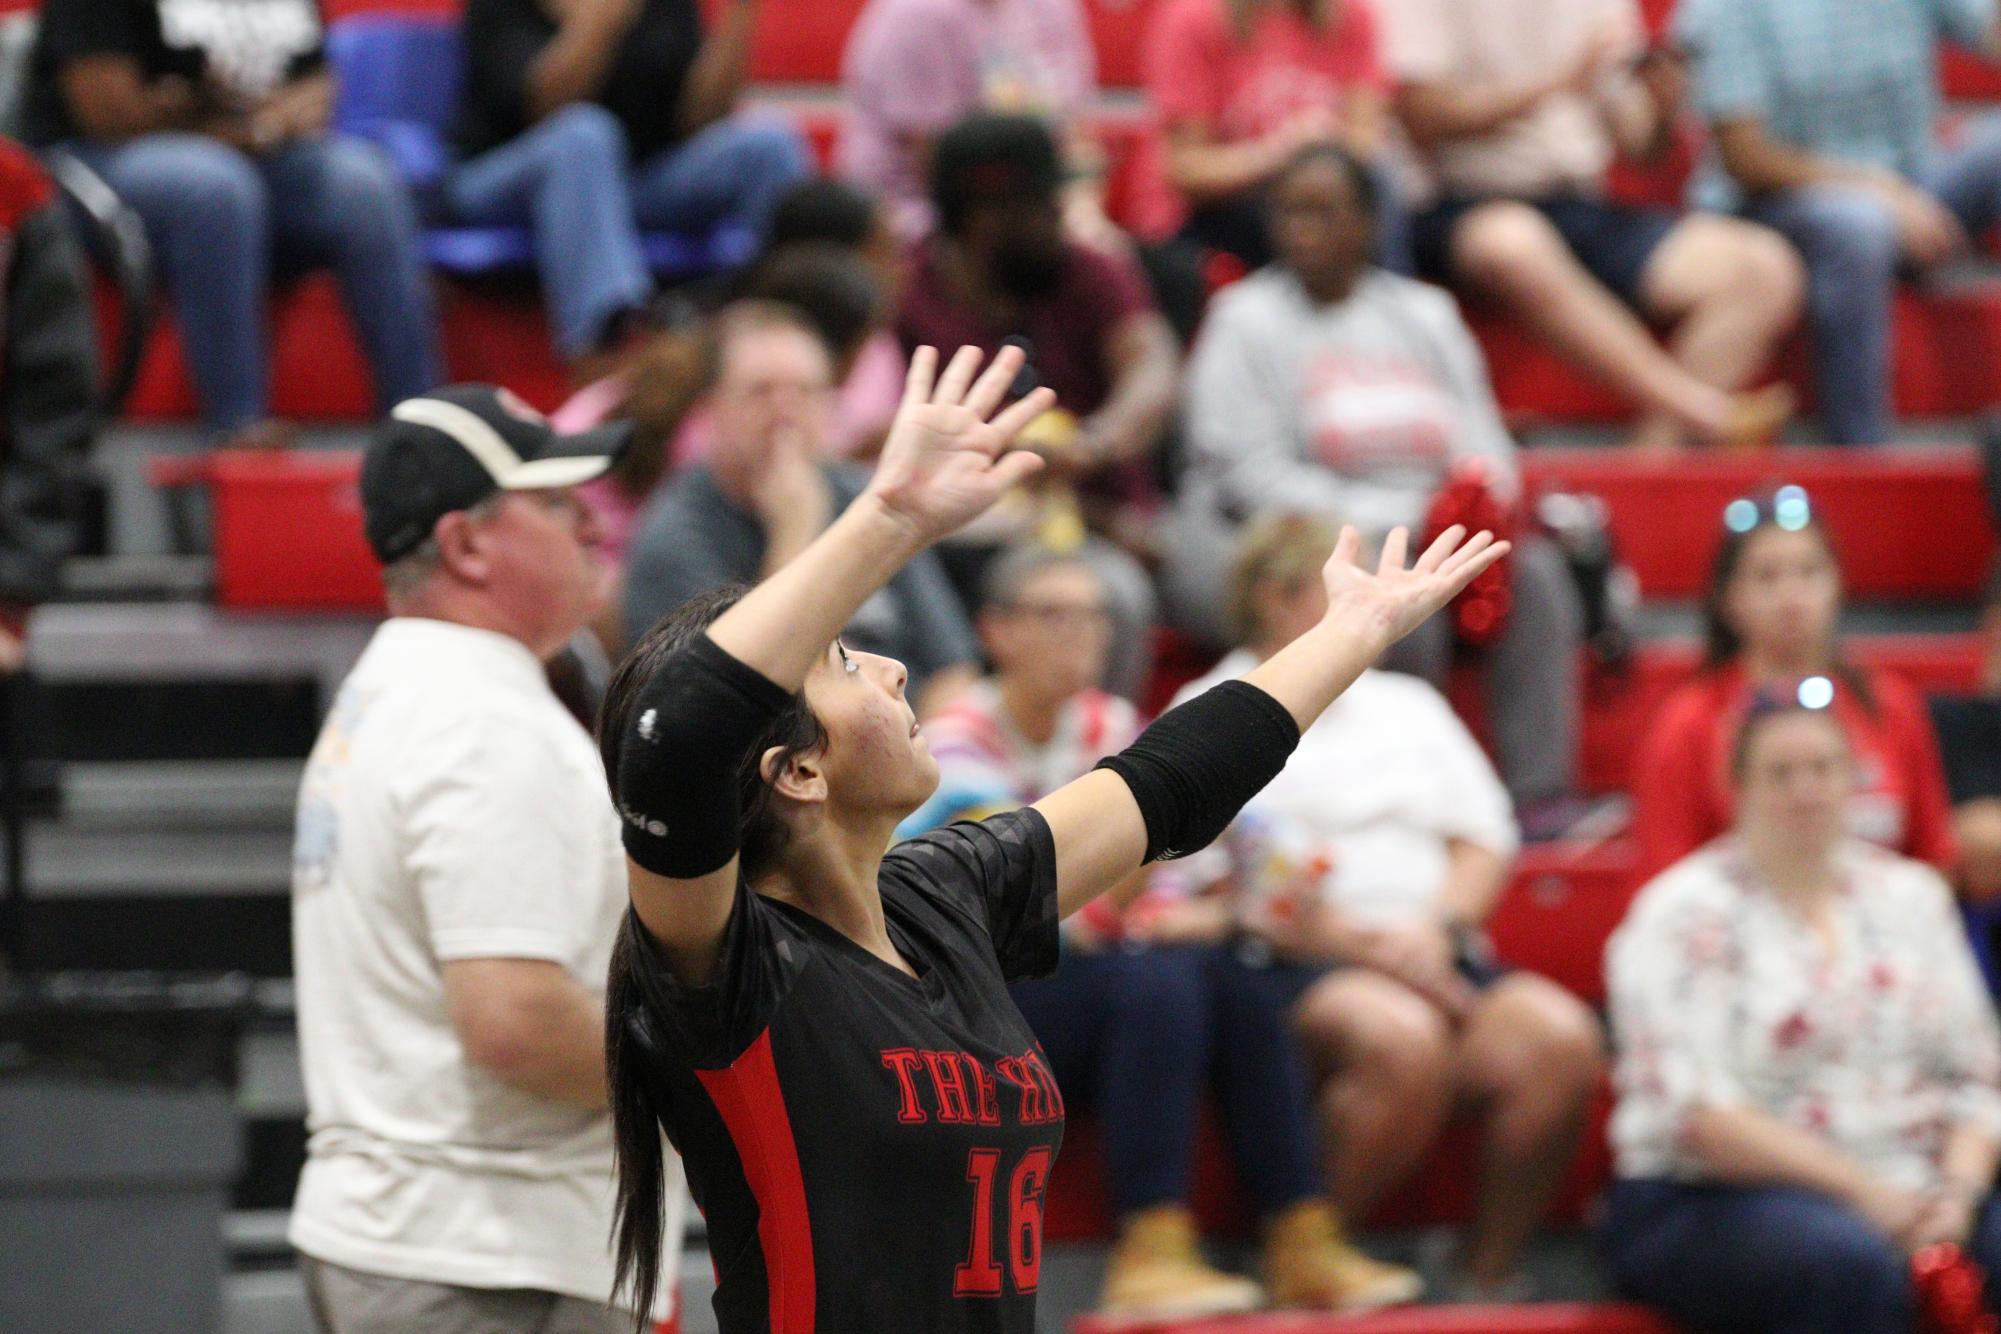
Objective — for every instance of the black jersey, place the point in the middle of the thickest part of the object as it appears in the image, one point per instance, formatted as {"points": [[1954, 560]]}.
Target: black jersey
{"points": [[870, 1150]]}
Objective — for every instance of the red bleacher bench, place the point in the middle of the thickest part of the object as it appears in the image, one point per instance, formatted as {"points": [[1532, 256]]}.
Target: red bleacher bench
{"points": [[1551, 1318], [1908, 522]]}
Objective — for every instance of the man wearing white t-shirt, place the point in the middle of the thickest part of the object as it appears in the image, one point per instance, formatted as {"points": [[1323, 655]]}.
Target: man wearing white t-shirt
{"points": [[457, 883]]}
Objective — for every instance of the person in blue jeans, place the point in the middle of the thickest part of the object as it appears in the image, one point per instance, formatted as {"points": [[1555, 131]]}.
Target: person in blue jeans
{"points": [[1149, 1008], [1823, 117], [1809, 1069], [588, 120], [211, 122]]}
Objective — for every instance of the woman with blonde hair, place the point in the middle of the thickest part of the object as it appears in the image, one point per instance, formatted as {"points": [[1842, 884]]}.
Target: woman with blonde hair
{"points": [[1365, 869]]}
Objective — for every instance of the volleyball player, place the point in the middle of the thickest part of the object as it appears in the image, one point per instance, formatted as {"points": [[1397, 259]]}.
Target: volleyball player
{"points": [[822, 1026]]}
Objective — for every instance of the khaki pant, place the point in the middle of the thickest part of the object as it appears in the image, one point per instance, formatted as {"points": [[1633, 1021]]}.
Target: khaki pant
{"points": [[346, 1301]]}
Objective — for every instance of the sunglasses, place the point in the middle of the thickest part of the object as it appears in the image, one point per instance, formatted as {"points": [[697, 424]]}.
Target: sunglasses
{"points": [[1786, 508]]}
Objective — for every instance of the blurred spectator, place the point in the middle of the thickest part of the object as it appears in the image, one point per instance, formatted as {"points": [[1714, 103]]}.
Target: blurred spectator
{"points": [[1822, 113], [1000, 266], [1322, 385], [457, 882], [1771, 620], [1517, 108], [1367, 867], [827, 212], [766, 491], [211, 122], [837, 292], [48, 389], [1240, 86], [1142, 1015], [915, 68], [1809, 1074], [1969, 734], [590, 119]]}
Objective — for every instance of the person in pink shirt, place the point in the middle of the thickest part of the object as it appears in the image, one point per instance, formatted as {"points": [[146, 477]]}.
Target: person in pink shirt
{"points": [[1238, 87], [915, 68]]}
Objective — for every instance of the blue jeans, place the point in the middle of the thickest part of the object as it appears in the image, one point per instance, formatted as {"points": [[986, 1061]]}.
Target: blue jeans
{"points": [[1849, 241], [1139, 1033], [571, 180], [1767, 1260], [222, 223]]}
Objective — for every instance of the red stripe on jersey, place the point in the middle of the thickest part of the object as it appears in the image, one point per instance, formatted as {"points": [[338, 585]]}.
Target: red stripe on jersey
{"points": [[752, 1106]]}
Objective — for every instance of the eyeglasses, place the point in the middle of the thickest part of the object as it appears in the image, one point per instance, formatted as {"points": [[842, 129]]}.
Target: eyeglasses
{"points": [[1787, 508]]}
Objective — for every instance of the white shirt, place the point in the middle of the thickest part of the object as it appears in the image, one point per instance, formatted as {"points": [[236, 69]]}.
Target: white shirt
{"points": [[1722, 998], [451, 810], [1378, 785]]}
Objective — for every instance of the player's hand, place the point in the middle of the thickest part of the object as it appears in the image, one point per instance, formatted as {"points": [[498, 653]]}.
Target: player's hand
{"points": [[947, 458], [1388, 604]]}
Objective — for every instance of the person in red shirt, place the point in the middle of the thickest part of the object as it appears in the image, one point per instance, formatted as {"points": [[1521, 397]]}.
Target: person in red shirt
{"points": [[1771, 621], [1240, 86]]}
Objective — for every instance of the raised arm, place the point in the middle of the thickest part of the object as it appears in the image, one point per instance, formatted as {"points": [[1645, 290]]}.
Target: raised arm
{"points": [[707, 709], [1183, 781]]}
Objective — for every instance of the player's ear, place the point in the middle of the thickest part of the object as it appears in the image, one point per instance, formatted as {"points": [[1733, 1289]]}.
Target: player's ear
{"points": [[796, 777]]}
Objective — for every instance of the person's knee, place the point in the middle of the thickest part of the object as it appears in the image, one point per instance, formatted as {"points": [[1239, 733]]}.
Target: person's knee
{"points": [[1380, 1029], [1505, 246], [1850, 237], [582, 134], [1538, 1039], [202, 182], [768, 147], [363, 186], [1772, 274]]}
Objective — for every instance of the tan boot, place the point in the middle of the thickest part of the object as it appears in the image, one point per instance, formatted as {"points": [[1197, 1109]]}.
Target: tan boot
{"points": [[1308, 1262], [1157, 1271]]}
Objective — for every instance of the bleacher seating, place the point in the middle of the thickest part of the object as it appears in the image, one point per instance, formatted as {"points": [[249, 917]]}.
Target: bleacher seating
{"points": [[399, 79]]}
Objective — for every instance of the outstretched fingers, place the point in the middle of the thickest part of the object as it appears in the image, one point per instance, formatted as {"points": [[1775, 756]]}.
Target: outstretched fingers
{"points": [[1395, 548], [1348, 547], [1441, 547], [958, 374], [1020, 413], [917, 382], [992, 386], [1466, 565]]}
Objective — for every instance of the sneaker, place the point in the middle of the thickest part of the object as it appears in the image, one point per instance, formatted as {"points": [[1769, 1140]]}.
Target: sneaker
{"points": [[1157, 1272], [1309, 1262]]}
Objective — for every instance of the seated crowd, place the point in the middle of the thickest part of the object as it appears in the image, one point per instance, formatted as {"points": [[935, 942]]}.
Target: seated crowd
{"points": [[1807, 1064]]}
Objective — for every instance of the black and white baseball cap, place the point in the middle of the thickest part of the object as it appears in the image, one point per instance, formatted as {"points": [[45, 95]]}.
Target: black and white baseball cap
{"points": [[452, 448]]}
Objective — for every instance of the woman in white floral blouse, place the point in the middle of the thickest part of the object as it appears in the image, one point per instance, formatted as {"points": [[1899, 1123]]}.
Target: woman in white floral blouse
{"points": [[1809, 1069]]}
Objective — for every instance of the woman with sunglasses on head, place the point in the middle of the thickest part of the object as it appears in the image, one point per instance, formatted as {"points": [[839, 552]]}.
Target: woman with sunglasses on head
{"points": [[1771, 619], [822, 1027], [1809, 1076]]}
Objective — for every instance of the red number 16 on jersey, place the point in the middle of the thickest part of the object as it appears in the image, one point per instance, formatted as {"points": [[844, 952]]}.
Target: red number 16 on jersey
{"points": [[980, 1275]]}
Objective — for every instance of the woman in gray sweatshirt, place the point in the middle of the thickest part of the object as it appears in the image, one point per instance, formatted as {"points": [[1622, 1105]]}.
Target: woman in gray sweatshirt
{"points": [[1324, 385]]}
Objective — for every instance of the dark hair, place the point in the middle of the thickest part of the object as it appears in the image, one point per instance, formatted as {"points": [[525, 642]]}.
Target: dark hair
{"points": [[992, 159], [1770, 705], [821, 209], [630, 1051], [1360, 178], [831, 286], [1787, 510]]}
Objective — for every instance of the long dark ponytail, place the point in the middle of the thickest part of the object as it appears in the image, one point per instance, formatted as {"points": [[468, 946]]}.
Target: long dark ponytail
{"points": [[633, 1054]]}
